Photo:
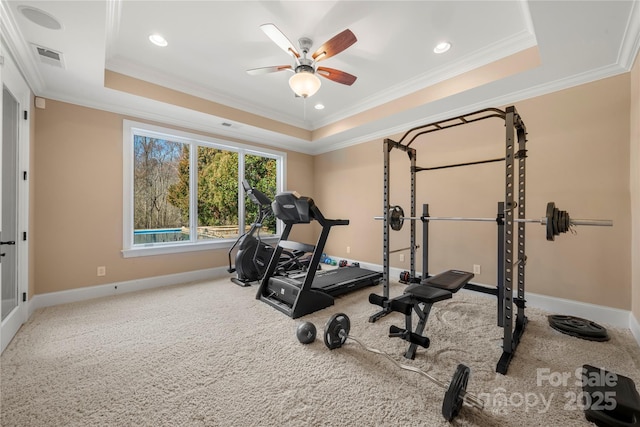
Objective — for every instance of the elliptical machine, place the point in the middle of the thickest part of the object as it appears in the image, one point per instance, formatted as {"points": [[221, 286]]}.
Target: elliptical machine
{"points": [[253, 254]]}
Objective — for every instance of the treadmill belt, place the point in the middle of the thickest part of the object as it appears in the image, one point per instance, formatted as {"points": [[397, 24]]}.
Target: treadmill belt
{"points": [[338, 281]]}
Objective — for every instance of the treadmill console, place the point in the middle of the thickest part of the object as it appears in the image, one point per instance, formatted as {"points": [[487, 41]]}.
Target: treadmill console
{"points": [[292, 208]]}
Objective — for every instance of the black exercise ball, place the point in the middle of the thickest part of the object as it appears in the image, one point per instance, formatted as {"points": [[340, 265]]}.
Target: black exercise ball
{"points": [[306, 332]]}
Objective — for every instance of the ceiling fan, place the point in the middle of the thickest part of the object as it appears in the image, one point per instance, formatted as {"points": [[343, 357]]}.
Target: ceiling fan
{"points": [[304, 81]]}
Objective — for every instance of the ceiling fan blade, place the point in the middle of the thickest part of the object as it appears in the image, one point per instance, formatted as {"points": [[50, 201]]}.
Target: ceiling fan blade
{"points": [[280, 39], [336, 75], [335, 45], [266, 70]]}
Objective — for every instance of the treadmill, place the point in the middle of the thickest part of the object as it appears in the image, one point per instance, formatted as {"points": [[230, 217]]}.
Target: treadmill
{"points": [[341, 280], [301, 293]]}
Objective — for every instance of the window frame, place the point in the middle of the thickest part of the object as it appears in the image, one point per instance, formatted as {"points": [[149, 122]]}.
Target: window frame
{"points": [[131, 128]]}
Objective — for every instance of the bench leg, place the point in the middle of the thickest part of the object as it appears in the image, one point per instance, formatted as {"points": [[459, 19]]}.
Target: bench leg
{"points": [[422, 310]]}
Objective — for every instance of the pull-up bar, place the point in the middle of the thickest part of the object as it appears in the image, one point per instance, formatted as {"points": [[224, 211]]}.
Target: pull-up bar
{"points": [[479, 162], [453, 122]]}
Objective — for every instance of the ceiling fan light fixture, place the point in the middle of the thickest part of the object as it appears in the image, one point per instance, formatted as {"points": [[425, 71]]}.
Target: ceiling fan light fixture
{"points": [[304, 83]]}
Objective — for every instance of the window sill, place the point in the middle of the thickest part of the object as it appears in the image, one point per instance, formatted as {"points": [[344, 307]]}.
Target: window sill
{"points": [[166, 249]]}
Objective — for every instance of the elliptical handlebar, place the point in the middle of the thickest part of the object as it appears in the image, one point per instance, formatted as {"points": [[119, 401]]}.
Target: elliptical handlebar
{"points": [[256, 196], [264, 212]]}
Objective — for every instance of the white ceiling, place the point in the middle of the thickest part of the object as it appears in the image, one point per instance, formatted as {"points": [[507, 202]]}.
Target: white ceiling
{"points": [[213, 43]]}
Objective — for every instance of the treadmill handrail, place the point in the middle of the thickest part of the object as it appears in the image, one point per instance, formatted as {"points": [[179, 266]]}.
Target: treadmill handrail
{"points": [[317, 215]]}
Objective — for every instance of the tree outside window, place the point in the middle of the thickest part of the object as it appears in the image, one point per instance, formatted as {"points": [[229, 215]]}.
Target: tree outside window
{"points": [[187, 191]]}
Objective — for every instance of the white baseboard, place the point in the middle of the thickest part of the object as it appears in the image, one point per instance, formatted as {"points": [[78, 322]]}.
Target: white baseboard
{"points": [[89, 292], [600, 314], [597, 313], [610, 316], [635, 327]]}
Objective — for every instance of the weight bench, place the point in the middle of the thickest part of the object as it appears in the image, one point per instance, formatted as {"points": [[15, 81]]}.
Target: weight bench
{"points": [[419, 297]]}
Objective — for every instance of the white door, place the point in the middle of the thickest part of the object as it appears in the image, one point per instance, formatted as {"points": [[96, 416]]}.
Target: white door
{"points": [[13, 191]]}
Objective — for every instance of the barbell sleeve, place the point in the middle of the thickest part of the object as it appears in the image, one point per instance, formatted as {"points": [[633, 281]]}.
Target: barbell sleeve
{"points": [[590, 222]]}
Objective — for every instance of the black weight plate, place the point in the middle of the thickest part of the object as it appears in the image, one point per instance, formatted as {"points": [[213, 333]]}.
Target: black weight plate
{"points": [[578, 327], [549, 216], [332, 336], [567, 221], [396, 218], [454, 396], [556, 220]]}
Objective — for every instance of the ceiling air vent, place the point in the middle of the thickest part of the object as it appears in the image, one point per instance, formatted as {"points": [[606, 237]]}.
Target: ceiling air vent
{"points": [[49, 56]]}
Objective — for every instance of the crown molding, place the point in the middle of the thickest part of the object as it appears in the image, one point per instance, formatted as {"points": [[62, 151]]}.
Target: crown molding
{"points": [[493, 52], [506, 99], [631, 39], [19, 49], [145, 109], [182, 85], [114, 9]]}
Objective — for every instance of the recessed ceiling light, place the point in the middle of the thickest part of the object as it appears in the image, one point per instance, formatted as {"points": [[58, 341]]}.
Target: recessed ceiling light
{"points": [[40, 17], [319, 107], [158, 40], [442, 47]]}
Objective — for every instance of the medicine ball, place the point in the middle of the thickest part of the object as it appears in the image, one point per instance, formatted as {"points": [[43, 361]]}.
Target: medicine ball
{"points": [[306, 332]]}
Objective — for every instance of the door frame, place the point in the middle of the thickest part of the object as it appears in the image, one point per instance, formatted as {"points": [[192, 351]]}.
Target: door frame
{"points": [[11, 77]]}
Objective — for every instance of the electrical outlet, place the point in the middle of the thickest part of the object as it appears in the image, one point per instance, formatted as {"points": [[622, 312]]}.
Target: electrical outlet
{"points": [[348, 249], [476, 268], [401, 257], [102, 270]]}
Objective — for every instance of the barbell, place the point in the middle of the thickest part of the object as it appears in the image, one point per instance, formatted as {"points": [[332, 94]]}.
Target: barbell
{"points": [[336, 332], [555, 220]]}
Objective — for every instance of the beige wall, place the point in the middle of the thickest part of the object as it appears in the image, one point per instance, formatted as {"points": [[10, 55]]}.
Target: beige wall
{"points": [[78, 203], [635, 187], [578, 157]]}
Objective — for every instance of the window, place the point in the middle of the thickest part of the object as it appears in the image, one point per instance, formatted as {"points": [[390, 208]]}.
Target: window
{"points": [[183, 192]]}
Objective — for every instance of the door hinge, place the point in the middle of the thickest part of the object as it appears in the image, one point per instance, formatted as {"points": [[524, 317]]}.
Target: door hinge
{"points": [[26, 114], [24, 236], [24, 297], [24, 175]]}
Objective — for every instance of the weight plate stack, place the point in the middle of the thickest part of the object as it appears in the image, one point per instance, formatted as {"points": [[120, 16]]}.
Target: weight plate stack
{"points": [[578, 327]]}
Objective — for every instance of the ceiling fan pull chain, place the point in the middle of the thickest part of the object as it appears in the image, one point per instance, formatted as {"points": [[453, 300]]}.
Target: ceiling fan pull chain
{"points": [[304, 108]]}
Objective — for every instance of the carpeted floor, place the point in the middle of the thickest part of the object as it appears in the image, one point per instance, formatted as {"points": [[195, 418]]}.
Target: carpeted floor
{"points": [[210, 354]]}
